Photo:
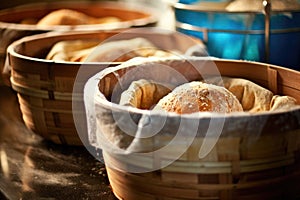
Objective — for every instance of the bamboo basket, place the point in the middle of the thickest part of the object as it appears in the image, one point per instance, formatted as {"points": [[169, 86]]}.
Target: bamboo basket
{"points": [[46, 89], [11, 29], [255, 157]]}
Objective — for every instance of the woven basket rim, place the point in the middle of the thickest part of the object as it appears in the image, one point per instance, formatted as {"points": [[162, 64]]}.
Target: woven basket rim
{"points": [[11, 49], [151, 16], [101, 99]]}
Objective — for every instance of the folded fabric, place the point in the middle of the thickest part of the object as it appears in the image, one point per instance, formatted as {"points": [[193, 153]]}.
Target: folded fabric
{"points": [[71, 50], [145, 94], [111, 51], [253, 97]]}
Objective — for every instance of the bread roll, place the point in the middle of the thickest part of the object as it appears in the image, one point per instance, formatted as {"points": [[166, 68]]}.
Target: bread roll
{"points": [[235, 95], [73, 17], [197, 96], [64, 17]]}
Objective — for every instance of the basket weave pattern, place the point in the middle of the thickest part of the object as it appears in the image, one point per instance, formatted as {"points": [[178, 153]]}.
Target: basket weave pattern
{"points": [[255, 157], [268, 169], [45, 97]]}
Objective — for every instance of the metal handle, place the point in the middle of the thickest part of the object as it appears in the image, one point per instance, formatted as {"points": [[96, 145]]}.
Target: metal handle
{"points": [[267, 13]]}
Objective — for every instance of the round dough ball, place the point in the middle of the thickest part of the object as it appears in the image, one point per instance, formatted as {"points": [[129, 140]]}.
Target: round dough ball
{"points": [[64, 17], [197, 96]]}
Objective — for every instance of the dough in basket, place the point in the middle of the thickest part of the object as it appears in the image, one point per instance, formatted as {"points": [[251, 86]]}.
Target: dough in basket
{"points": [[251, 97], [198, 96], [112, 51], [72, 17]]}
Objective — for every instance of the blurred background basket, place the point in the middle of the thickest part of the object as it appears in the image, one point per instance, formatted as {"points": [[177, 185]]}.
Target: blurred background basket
{"points": [[263, 35], [45, 88], [11, 28], [255, 157]]}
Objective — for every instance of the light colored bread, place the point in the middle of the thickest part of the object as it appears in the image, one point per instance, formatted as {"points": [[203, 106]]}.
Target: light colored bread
{"points": [[73, 17], [64, 17], [217, 94], [197, 96]]}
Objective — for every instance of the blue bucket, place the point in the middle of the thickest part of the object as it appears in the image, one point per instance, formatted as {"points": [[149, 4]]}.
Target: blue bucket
{"points": [[241, 35]]}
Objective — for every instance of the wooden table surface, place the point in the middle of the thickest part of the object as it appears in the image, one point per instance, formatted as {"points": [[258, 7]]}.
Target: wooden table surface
{"points": [[32, 168]]}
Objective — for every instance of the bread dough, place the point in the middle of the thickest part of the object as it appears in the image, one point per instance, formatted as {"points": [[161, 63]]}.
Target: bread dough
{"points": [[197, 96], [215, 94], [73, 17]]}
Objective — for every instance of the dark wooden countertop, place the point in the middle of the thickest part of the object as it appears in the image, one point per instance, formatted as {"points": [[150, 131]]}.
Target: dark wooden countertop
{"points": [[32, 168]]}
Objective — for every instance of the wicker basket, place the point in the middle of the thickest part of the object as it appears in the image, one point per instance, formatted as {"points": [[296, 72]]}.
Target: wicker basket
{"points": [[11, 29], [255, 157], [45, 88]]}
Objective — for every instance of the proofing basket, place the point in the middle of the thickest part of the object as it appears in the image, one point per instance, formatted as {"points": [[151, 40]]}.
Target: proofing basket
{"points": [[46, 89], [11, 29], [256, 156]]}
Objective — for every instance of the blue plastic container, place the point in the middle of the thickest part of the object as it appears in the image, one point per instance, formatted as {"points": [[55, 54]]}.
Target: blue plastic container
{"points": [[238, 35]]}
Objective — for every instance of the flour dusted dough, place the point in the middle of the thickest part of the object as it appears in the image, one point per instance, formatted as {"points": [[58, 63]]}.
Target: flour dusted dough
{"points": [[197, 96], [72, 17], [215, 94]]}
